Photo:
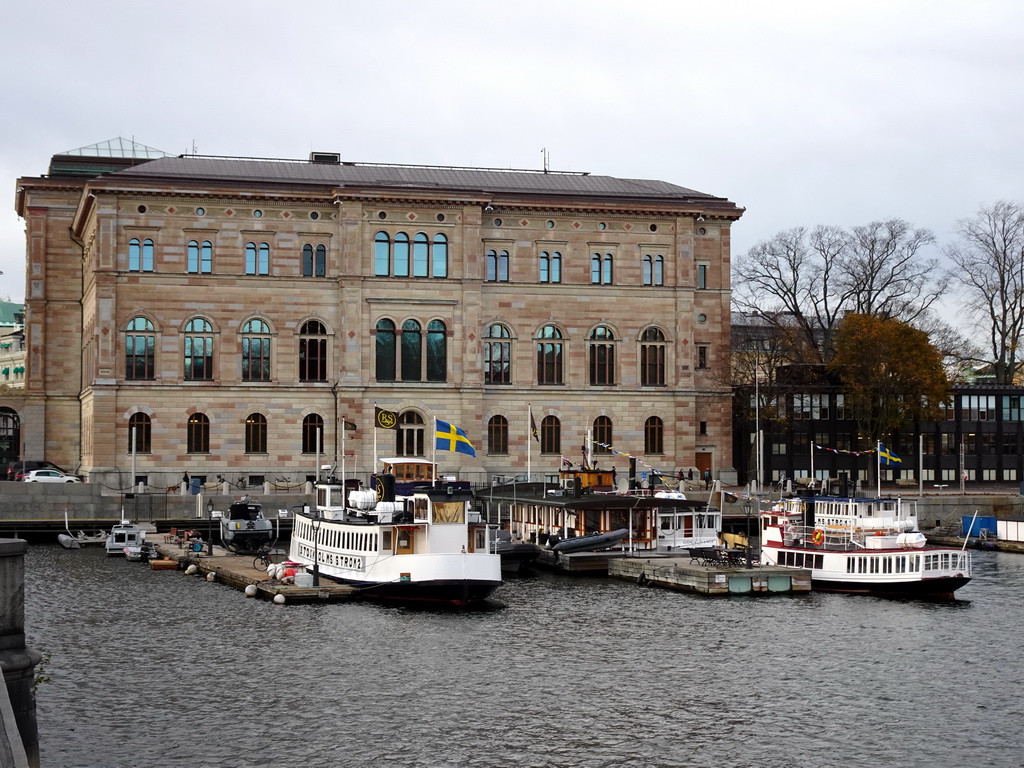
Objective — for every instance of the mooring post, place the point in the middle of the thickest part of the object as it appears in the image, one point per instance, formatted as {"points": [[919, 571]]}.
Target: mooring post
{"points": [[19, 735]]}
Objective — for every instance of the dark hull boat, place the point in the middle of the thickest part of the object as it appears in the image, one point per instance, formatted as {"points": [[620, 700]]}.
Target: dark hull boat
{"points": [[592, 542]]}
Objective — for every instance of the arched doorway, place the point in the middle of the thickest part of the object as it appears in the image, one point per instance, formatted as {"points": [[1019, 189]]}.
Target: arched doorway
{"points": [[10, 438]]}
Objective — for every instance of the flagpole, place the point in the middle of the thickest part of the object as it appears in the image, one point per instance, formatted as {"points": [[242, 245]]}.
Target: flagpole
{"points": [[879, 472], [374, 467], [920, 465], [434, 454], [812, 459], [344, 430]]}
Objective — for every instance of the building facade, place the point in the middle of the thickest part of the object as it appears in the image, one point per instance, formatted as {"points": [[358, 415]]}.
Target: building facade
{"points": [[223, 316]]}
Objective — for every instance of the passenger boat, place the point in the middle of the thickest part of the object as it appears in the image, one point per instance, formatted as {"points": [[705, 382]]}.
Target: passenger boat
{"points": [[244, 529], [866, 545], [124, 534], [429, 546]]}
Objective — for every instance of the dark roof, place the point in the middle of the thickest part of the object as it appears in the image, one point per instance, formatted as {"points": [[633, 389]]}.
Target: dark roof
{"points": [[483, 181]]}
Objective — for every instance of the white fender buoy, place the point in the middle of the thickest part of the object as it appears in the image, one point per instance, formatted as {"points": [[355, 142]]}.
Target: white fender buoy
{"points": [[279, 599], [250, 590], [211, 576], [272, 571], [191, 570]]}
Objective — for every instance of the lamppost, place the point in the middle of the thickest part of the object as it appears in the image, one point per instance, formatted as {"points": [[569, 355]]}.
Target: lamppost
{"points": [[209, 526], [316, 546], [748, 507]]}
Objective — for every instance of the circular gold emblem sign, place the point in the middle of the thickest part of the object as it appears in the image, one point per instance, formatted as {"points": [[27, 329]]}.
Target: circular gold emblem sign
{"points": [[386, 419]]}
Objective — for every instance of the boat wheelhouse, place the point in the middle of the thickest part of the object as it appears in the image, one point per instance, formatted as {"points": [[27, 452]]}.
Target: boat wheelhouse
{"points": [[429, 546], [244, 529], [866, 545], [124, 534]]}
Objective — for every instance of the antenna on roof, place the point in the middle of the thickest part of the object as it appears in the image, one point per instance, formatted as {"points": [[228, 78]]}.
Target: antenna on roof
{"points": [[546, 155]]}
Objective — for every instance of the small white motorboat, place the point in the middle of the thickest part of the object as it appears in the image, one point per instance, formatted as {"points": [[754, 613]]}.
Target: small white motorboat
{"points": [[124, 535]]}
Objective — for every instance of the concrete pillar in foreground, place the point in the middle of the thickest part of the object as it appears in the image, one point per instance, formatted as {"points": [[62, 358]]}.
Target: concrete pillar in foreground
{"points": [[19, 736]]}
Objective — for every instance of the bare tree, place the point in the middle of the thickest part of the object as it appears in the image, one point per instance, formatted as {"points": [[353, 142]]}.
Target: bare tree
{"points": [[989, 256], [884, 273]]}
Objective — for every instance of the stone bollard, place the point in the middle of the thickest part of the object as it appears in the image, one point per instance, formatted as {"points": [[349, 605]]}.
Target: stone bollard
{"points": [[19, 740]]}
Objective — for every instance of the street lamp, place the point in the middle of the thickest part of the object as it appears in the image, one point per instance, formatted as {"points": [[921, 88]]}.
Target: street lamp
{"points": [[748, 508], [316, 520], [209, 526]]}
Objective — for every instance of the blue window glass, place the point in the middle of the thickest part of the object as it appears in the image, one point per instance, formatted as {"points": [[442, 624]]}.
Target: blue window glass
{"points": [[412, 351], [437, 351], [385, 350], [440, 256], [382, 254], [401, 253], [420, 255]]}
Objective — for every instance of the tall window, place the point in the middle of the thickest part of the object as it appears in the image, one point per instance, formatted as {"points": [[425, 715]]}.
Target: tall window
{"points": [[402, 257], [497, 266], [549, 355], [312, 351], [385, 345], [654, 435], [256, 351], [257, 259], [550, 267], [602, 356], [652, 358], [437, 351], [140, 255], [702, 356], [256, 433], [139, 349], [198, 350], [410, 434], [550, 435], [702, 276], [439, 254], [200, 257], [412, 351], [313, 434], [497, 355], [654, 269], [497, 435], [141, 428], [601, 269], [197, 437], [603, 435], [314, 260]]}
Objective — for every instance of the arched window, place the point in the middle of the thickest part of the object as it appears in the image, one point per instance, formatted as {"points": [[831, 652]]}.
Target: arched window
{"points": [[140, 427], [314, 260], [437, 351], [313, 434], [602, 356], [256, 352], [497, 435], [382, 254], [440, 255], [497, 355], [497, 266], [550, 435], [10, 434], [654, 270], [550, 267], [200, 257], [139, 349], [257, 259], [401, 254], [385, 345], [601, 269], [140, 255], [654, 435], [198, 350], [549, 355], [602, 435], [410, 434], [420, 255], [256, 433], [197, 437], [312, 351], [412, 351], [652, 358]]}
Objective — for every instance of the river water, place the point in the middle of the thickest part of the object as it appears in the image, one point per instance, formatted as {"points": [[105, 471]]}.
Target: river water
{"points": [[155, 668]]}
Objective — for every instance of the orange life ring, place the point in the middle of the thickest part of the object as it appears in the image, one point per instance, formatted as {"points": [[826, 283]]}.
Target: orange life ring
{"points": [[818, 537]]}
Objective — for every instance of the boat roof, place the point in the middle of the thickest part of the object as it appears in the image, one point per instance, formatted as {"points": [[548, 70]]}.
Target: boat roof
{"points": [[406, 460], [845, 499]]}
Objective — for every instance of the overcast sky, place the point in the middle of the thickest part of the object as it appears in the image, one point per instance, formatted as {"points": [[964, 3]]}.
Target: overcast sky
{"points": [[803, 113]]}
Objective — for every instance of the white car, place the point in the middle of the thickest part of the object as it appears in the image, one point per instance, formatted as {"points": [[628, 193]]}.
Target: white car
{"points": [[49, 476]]}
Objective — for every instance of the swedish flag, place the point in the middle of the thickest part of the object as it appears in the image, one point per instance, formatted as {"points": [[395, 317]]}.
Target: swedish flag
{"points": [[887, 457], [451, 438]]}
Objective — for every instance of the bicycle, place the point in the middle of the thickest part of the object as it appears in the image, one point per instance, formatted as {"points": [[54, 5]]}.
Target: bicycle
{"points": [[265, 557]]}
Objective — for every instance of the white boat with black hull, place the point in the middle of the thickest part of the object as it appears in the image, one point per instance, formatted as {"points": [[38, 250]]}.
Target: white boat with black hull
{"points": [[244, 529], [430, 546], [866, 545]]}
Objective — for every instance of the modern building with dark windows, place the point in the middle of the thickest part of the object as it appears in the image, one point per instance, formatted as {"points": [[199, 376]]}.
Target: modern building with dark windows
{"points": [[226, 316]]}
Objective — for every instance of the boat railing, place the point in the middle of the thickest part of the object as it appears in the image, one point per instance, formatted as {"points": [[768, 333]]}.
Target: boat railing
{"points": [[949, 562], [832, 537]]}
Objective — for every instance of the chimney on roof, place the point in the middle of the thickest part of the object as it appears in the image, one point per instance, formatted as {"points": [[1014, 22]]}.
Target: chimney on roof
{"points": [[329, 158]]}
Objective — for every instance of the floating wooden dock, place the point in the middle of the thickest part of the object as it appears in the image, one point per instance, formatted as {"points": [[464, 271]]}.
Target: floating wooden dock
{"points": [[679, 573], [237, 571]]}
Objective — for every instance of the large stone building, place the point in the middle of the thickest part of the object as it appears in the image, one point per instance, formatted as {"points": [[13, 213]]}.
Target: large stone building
{"points": [[232, 314]]}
